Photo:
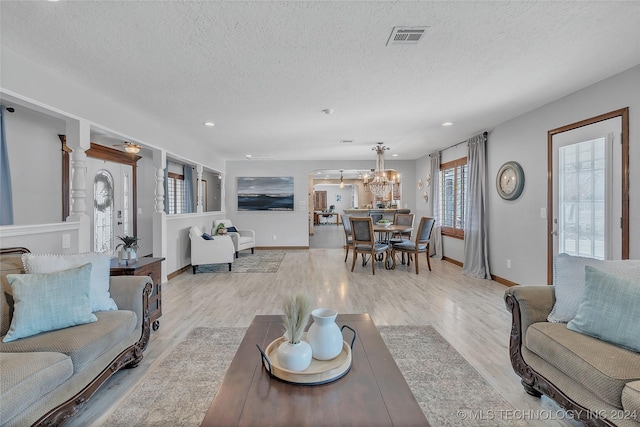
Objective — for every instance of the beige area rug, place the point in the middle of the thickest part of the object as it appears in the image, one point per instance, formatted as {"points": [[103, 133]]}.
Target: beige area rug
{"points": [[259, 262], [179, 392]]}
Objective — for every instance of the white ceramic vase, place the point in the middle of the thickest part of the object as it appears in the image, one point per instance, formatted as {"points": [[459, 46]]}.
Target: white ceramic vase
{"points": [[126, 255], [294, 357], [324, 335]]}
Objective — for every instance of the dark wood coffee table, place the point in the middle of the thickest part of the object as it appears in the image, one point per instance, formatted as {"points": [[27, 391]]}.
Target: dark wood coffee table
{"points": [[372, 393]]}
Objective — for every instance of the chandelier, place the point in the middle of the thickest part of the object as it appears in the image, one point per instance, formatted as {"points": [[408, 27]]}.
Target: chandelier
{"points": [[380, 185]]}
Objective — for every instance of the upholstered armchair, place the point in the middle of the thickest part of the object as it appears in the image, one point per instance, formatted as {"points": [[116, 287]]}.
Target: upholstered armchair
{"points": [[242, 239], [217, 251]]}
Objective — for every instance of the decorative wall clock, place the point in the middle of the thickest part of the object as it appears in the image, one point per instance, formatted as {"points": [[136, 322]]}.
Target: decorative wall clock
{"points": [[510, 181]]}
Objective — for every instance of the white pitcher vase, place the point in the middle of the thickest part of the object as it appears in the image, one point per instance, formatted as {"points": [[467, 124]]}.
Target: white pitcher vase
{"points": [[324, 335]]}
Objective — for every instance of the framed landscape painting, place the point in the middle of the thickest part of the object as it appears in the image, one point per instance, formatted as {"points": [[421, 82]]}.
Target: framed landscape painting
{"points": [[271, 193]]}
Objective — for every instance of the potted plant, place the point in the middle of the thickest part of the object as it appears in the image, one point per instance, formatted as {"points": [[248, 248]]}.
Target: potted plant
{"points": [[128, 249], [295, 354], [221, 229]]}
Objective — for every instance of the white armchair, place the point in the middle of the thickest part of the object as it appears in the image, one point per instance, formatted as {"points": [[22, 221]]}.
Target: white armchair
{"points": [[242, 239], [217, 251]]}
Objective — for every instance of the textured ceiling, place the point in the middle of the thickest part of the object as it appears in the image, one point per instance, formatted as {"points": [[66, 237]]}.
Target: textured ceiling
{"points": [[264, 71]]}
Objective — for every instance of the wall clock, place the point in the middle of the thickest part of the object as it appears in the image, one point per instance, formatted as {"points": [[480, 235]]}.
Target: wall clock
{"points": [[510, 181]]}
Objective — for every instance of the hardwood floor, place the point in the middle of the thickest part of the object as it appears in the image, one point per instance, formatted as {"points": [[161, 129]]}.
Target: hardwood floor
{"points": [[469, 313]]}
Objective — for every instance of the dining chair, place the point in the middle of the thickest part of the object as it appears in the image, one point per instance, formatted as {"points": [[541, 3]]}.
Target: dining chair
{"points": [[364, 242], [398, 237], [418, 245], [348, 238], [402, 219]]}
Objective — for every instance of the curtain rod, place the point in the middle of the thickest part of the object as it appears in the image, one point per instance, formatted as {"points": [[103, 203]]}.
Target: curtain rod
{"points": [[485, 134]]}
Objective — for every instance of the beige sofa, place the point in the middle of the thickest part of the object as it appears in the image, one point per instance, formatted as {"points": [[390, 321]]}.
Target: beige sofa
{"points": [[596, 381], [47, 377]]}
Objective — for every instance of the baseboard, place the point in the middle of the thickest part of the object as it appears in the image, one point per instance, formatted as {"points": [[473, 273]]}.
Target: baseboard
{"points": [[495, 278], [502, 281], [281, 248], [178, 272], [452, 261]]}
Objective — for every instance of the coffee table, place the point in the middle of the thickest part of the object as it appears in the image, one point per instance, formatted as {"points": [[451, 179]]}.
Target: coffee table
{"points": [[372, 393]]}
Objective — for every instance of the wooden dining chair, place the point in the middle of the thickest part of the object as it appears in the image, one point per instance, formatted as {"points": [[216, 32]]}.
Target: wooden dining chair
{"points": [[402, 219], [418, 245], [364, 242], [398, 237], [348, 237]]}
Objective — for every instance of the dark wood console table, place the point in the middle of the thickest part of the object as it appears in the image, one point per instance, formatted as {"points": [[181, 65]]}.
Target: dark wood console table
{"points": [[372, 393], [145, 266]]}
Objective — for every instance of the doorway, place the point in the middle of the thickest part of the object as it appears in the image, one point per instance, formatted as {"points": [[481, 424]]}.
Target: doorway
{"points": [[587, 194], [111, 214]]}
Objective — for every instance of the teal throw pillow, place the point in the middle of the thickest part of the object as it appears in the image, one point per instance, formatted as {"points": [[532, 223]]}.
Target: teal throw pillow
{"points": [[49, 301], [232, 229], [207, 236], [610, 309]]}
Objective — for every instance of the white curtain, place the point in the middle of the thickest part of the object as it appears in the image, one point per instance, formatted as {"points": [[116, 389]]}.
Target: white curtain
{"points": [[435, 244], [476, 248]]}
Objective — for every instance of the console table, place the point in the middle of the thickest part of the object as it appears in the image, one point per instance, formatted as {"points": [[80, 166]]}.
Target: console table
{"points": [[145, 266]]}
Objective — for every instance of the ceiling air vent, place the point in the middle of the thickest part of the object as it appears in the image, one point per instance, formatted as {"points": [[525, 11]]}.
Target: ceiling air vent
{"points": [[346, 141], [406, 35]]}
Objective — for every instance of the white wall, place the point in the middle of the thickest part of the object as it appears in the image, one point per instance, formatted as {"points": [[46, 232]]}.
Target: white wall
{"points": [[516, 230], [292, 228], [35, 160], [31, 82]]}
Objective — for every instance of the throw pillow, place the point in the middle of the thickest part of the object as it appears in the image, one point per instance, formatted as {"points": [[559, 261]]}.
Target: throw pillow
{"points": [[568, 279], [49, 301], [610, 309], [207, 236], [100, 270], [232, 230]]}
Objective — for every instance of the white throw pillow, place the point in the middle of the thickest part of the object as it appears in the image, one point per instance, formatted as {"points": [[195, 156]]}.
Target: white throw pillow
{"points": [[568, 279], [99, 295]]}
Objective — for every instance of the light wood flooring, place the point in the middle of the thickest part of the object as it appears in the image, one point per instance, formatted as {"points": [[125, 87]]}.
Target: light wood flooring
{"points": [[469, 313]]}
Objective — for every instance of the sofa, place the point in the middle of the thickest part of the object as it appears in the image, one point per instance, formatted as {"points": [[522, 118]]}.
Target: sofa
{"points": [[577, 341], [207, 249], [47, 377], [242, 239]]}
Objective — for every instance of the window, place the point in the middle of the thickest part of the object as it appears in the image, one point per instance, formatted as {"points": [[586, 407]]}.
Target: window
{"points": [[175, 194], [453, 188], [582, 199], [103, 212]]}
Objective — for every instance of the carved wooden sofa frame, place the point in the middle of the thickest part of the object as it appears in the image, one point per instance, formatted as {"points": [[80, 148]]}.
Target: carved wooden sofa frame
{"points": [[534, 383]]}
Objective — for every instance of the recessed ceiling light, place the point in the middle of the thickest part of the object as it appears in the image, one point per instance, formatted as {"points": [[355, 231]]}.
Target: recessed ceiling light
{"points": [[210, 124], [447, 124], [394, 155], [328, 111], [249, 156]]}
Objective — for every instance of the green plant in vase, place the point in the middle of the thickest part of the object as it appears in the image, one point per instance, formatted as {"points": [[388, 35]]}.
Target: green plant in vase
{"points": [[128, 249], [221, 229]]}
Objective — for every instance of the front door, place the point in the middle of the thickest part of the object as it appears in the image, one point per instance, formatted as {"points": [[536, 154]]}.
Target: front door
{"points": [[587, 190], [111, 215]]}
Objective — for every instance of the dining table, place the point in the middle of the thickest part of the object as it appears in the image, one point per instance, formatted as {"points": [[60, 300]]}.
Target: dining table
{"points": [[385, 232]]}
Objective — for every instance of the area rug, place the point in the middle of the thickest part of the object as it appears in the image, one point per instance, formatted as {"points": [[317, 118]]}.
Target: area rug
{"points": [[180, 390], [259, 262]]}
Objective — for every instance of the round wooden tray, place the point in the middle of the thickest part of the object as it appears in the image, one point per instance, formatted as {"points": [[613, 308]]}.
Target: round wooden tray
{"points": [[319, 372]]}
